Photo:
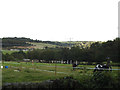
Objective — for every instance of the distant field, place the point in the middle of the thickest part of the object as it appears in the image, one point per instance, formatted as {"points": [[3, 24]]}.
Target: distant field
{"points": [[43, 45], [38, 72], [40, 45], [9, 51]]}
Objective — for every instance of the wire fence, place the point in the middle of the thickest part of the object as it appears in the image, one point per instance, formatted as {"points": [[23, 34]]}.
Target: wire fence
{"points": [[54, 68], [65, 66]]}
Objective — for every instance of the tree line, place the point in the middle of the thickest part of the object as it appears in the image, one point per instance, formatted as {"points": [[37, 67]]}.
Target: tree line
{"points": [[97, 52]]}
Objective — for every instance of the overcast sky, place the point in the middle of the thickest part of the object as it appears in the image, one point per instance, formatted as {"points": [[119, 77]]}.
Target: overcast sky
{"points": [[59, 20]]}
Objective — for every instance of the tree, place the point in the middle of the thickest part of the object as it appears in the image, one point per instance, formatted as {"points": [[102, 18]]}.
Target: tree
{"points": [[8, 57]]}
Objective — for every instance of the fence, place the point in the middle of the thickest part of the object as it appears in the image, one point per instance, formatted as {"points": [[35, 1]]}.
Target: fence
{"points": [[54, 68]]}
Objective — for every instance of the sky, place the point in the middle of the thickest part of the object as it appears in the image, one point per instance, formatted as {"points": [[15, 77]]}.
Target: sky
{"points": [[59, 20]]}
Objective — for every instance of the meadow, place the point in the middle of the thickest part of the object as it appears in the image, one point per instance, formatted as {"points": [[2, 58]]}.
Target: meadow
{"points": [[10, 52], [42, 45], [38, 72]]}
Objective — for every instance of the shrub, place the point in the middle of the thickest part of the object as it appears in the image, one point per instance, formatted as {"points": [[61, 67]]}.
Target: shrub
{"points": [[102, 80]]}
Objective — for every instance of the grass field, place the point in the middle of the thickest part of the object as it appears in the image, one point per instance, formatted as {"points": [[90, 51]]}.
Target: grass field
{"points": [[9, 51], [38, 72], [42, 45]]}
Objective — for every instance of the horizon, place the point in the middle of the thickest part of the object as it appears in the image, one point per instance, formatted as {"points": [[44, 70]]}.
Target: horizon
{"points": [[60, 41]]}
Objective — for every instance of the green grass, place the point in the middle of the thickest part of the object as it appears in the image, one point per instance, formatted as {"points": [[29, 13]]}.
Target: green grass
{"points": [[43, 45], [9, 51], [36, 75], [26, 76]]}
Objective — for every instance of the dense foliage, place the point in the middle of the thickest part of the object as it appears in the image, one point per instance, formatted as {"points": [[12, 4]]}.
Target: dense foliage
{"points": [[96, 53]]}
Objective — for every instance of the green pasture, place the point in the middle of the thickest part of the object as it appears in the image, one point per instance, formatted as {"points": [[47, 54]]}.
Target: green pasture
{"points": [[9, 51], [38, 72], [42, 45]]}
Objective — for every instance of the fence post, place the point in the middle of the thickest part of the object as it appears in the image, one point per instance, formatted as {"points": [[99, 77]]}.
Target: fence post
{"points": [[55, 68], [84, 70], [34, 67], [21, 66]]}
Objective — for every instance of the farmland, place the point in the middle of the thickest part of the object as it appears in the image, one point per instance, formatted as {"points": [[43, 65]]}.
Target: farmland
{"points": [[39, 72], [9, 51], [42, 45], [27, 43], [86, 54]]}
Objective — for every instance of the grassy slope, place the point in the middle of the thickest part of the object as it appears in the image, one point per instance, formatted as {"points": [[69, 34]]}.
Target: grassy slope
{"points": [[42, 45], [9, 52]]}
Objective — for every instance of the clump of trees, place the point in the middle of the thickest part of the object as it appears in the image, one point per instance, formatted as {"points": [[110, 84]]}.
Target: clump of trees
{"points": [[97, 52]]}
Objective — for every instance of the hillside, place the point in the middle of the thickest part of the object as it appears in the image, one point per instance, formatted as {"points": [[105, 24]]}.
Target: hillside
{"points": [[14, 41], [42, 45], [22, 42]]}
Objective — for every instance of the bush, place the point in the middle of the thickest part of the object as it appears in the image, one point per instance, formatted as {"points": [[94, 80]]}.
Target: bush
{"points": [[103, 80]]}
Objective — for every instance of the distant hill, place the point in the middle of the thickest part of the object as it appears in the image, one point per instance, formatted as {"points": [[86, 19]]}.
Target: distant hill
{"points": [[22, 42], [14, 41]]}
